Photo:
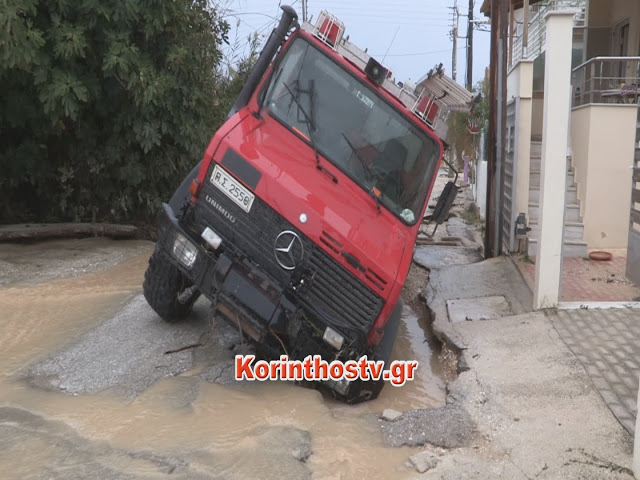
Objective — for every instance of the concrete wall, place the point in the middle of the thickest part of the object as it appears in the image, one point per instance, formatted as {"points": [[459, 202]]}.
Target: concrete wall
{"points": [[603, 144], [520, 87], [580, 129], [481, 188], [537, 110], [603, 15], [622, 10], [553, 164]]}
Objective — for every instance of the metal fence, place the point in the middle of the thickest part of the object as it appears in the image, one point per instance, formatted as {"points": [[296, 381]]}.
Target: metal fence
{"points": [[633, 250], [510, 180], [537, 27], [606, 80]]}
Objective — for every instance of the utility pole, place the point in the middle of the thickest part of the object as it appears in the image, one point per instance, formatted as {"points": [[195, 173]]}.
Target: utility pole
{"points": [[505, 8], [470, 48], [491, 233], [304, 10], [454, 37], [497, 126]]}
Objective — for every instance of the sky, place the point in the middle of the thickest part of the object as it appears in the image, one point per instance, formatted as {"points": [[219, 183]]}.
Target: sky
{"points": [[414, 34]]}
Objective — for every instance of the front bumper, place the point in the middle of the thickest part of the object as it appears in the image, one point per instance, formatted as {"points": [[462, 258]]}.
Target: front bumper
{"points": [[269, 313], [266, 311]]}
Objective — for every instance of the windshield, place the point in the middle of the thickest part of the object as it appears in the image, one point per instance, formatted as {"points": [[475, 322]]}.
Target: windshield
{"points": [[355, 129]]}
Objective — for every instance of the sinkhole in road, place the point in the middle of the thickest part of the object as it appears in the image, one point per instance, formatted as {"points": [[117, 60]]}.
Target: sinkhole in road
{"points": [[82, 359]]}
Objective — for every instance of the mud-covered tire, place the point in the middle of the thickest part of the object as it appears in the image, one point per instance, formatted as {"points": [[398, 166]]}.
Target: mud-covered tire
{"points": [[163, 283], [364, 391]]}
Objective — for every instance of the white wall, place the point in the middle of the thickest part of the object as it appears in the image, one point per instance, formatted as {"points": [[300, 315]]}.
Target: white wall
{"points": [[520, 87], [481, 188], [553, 171], [603, 145]]}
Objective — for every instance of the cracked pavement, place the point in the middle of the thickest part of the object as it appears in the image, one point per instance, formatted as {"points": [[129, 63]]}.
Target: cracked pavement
{"points": [[535, 411]]}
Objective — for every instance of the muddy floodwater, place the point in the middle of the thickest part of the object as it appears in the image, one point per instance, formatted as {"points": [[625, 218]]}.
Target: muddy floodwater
{"points": [[86, 390]]}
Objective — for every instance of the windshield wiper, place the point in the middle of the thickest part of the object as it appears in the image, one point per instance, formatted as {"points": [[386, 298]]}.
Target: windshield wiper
{"points": [[367, 169], [309, 121]]}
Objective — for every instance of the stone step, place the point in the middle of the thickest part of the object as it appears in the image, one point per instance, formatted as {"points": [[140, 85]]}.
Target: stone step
{"points": [[572, 195], [536, 149], [534, 179], [536, 160], [572, 230], [535, 165], [570, 248], [572, 212]]}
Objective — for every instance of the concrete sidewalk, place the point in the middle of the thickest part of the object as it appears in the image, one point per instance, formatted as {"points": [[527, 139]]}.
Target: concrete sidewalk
{"points": [[537, 412], [607, 344]]}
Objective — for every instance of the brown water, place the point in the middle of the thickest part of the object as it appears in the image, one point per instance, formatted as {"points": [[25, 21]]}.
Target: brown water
{"points": [[222, 431]]}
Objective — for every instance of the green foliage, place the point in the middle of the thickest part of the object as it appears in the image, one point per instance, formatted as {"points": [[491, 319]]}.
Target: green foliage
{"points": [[470, 214], [461, 141], [105, 105]]}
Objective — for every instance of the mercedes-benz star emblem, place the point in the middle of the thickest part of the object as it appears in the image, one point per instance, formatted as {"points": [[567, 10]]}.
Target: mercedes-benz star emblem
{"points": [[288, 249]]}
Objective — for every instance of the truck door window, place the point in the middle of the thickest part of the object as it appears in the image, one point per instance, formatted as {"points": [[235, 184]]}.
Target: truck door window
{"points": [[353, 124]]}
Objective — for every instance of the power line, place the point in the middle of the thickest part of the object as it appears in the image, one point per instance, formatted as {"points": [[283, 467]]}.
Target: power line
{"points": [[418, 54], [392, 40]]}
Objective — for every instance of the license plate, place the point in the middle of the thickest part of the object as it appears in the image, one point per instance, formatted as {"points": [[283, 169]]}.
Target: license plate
{"points": [[232, 188]]}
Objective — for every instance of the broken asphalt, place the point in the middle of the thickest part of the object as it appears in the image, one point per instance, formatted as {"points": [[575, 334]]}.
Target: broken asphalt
{"points": [[522, 405]]}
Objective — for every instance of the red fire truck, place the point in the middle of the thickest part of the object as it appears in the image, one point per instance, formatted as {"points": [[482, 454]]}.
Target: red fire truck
{"points": [[299, 223]]}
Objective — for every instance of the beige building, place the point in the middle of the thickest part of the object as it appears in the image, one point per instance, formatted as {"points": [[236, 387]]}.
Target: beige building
{"points": [[602, 197]]}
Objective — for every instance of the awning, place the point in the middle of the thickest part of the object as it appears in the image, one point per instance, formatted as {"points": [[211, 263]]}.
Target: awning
{"points": [[446, 91], [516, 4]]}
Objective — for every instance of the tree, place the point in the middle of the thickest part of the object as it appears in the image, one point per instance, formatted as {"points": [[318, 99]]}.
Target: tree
{"points": [[106, 105], [461, 140]]}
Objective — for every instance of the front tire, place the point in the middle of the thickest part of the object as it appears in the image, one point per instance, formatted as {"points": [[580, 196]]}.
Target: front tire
{"points": [[163, 283], [364, 391]]}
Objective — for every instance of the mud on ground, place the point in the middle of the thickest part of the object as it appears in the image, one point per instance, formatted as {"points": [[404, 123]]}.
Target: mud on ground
{"points": [[87, 389]]}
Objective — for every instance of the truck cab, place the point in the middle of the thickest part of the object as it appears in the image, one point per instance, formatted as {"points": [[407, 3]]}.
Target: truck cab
{"points": [[299, 223]]}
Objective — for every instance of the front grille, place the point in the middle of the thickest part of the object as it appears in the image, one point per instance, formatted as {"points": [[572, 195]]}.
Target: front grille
{"points": [[253, 234], [346, 300], [334, 294]]}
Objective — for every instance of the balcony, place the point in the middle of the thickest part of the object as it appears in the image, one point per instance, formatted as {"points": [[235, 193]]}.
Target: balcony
{"points": [[529, 43], [606, 80], [604, 121]]}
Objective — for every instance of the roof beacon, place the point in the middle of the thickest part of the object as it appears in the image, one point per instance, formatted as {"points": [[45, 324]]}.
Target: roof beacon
{"points": [[329, 29], [427, 109]]}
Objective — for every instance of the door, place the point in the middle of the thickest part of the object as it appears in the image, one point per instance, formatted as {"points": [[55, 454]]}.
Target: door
{"points": [[621, 46]]}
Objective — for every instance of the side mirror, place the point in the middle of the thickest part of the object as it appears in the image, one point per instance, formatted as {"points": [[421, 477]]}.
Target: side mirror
{"points": [[445, 202]]}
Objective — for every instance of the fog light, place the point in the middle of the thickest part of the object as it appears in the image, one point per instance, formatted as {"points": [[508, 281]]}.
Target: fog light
{"points": [[342, 386], [333, 338], [212, 238], [185, 251]]}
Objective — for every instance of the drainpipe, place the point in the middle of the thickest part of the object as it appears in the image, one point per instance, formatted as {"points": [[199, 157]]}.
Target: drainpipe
{"points": [[276, 39]]}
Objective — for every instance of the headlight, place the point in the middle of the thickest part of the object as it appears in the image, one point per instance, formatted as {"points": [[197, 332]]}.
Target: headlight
{"points": [[185, 251]]}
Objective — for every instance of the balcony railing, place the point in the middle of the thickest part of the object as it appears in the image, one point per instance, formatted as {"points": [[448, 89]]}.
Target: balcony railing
{"points": [[606, 80], [537, 27]]}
